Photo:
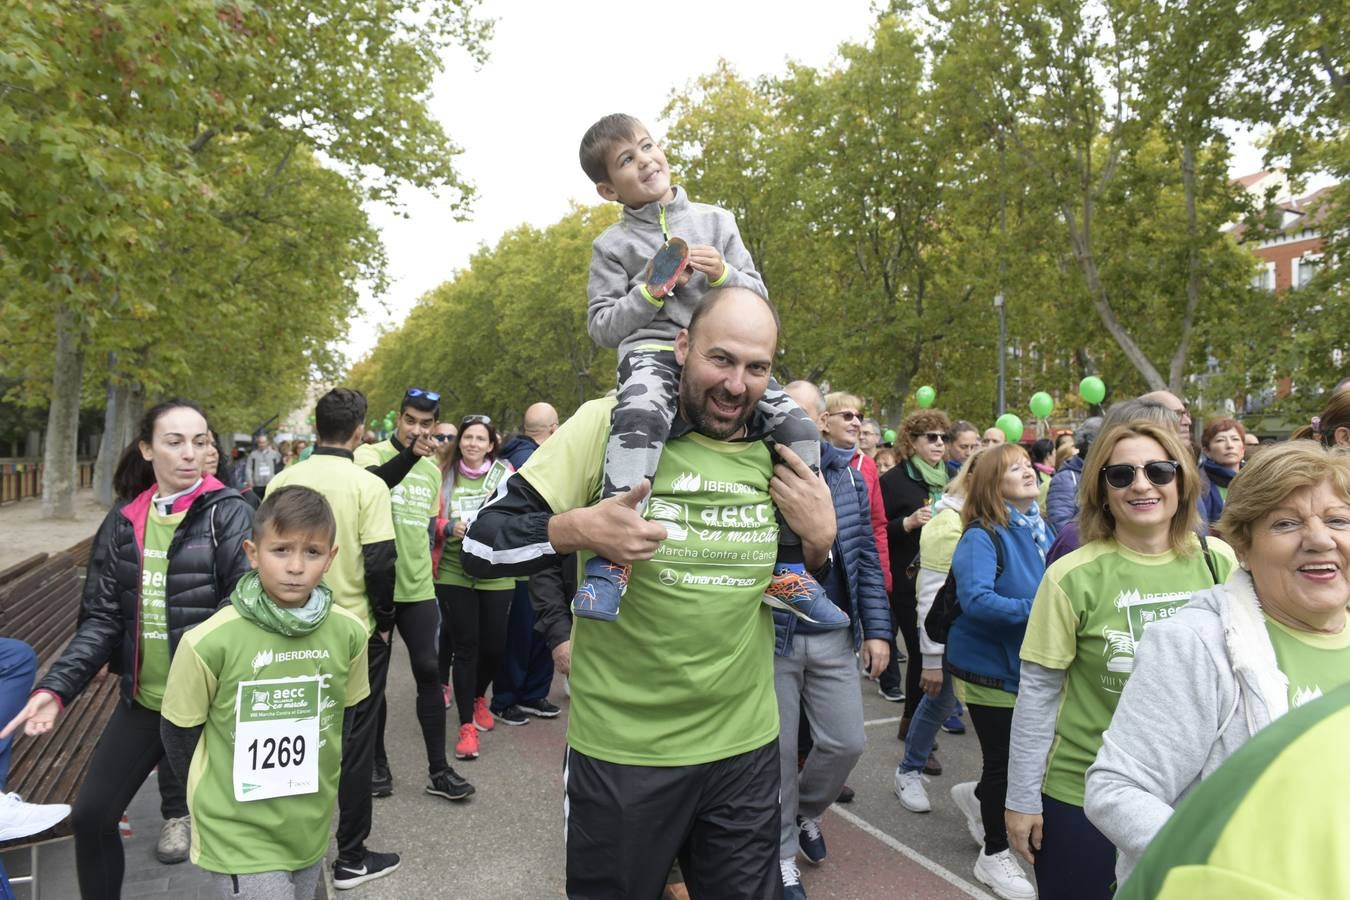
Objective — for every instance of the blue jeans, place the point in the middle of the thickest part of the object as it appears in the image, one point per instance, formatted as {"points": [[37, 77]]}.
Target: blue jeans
{"points": [[18, 665], [923, 728]]}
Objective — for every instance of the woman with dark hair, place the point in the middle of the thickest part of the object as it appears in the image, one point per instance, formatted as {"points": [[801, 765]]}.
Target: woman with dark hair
{"points": [[1331, 429], [169, 558], [1224, 442], [473, 610], [908, 493]]}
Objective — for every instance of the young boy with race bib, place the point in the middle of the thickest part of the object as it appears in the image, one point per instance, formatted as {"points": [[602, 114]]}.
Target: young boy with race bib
{"points": [[252, 714], [649, 272]]}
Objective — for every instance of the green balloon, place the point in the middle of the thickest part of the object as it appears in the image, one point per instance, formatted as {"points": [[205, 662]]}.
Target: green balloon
{"points": [[925, 395], [1011, 426], [1092, 389], [1042, 404], [888, 435]]}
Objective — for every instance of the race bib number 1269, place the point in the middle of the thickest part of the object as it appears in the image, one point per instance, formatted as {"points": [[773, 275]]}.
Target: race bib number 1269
{"points": [[276, 738]]}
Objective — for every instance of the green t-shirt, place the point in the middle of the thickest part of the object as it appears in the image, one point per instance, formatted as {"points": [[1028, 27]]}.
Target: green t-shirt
{"points": [[1088, 615], [938, 540], [685, 675], [982, 695], [360, 502], [467, 497], [1269, 824], [414, 501], [154, 664], [278, 833], [1315, 664]]}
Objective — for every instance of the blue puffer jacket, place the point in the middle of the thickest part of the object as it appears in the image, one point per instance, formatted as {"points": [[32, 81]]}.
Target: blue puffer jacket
{"points": [[1061, 500], [855, 548], [985, 642]]}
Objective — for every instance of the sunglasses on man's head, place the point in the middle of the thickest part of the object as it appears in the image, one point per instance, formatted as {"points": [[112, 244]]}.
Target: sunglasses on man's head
{"points": [[934, 437], [475, 420], [418, 392], [1158, 472], [848, 415]]}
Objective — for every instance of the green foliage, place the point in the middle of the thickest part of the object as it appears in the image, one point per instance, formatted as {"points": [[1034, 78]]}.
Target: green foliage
{"points": [[508, 331]]}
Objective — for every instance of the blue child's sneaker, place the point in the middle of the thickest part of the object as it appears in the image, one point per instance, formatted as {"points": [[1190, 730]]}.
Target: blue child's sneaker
{"points": [[665, 267], [601, 588], [800, 594]]}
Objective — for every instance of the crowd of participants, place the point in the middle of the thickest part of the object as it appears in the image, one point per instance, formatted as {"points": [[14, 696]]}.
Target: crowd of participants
{"points": [[715, 561]]}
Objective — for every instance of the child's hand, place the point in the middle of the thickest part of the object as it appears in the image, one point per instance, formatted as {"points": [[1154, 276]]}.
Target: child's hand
{"points": [[707, 260]]}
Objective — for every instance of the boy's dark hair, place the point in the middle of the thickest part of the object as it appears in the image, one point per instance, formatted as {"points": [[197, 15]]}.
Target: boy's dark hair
{"points": [[421, 403], [133, 473], [292, 509], [597, 140], [337, 414]]}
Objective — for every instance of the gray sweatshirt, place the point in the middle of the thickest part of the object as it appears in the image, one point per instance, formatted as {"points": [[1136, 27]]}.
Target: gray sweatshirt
{"points": [[1204, 682], [619, 313]]}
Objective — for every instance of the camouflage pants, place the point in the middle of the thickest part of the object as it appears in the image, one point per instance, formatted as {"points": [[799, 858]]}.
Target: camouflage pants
{"points": [[649, 388]]}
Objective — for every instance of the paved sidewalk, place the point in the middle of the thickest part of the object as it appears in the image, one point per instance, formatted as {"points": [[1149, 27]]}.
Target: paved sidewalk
{"points": [[26, 533]]}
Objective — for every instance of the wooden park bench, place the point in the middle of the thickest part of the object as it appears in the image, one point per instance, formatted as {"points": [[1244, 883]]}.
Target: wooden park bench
{"points": [[39, 604]]}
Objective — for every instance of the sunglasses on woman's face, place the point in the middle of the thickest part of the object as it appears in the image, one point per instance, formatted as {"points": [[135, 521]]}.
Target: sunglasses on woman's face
{"points": [[933, 437], [847, 415], [1158, 472]]}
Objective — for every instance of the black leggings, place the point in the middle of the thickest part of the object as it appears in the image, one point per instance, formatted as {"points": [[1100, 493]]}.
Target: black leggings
{"points": [[1076, 860], [127, 752], [419, 624], [993, 726], [478, 637]]}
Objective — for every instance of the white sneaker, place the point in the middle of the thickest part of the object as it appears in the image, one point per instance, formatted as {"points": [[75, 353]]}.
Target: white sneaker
{"points": [[1002, 875], [963, 795], [175, 840], [19, 819], [909, 788]]}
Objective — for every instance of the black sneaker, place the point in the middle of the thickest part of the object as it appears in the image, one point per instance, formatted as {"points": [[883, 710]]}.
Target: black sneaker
{"points": [[512, 715], [540, 708], [449, 784], [374, 865], [381, 781]]}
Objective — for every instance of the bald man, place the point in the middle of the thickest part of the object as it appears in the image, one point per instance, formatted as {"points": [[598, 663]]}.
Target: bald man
{"points": [[672, 735], [521, 687]]}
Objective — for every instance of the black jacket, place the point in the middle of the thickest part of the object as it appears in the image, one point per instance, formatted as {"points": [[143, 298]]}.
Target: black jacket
{"points": [[206, 558], [902, 491]]}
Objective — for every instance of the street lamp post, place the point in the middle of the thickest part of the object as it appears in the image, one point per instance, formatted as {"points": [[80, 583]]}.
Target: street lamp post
{"points": [[1002, 351]]}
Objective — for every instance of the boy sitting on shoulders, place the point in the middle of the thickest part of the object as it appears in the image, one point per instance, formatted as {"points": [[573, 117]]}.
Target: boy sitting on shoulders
{"points": [[252, 713]]}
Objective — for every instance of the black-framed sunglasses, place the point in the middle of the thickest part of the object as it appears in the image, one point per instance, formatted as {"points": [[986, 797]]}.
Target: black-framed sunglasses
{"points": [[475, 420], [418, 392], [934, 437], [847, 414], [442, 438], [1159, 472]]}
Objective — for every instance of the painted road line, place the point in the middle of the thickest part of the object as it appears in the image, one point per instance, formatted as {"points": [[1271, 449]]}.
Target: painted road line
{"points": [[891, 720], [910, 853]]}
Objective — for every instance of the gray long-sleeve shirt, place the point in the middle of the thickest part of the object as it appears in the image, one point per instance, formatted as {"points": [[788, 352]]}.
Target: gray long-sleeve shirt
{"points": [[619, 312]]}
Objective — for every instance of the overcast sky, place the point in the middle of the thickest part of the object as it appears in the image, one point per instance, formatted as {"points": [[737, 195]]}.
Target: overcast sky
{"points": [[554, 68]]}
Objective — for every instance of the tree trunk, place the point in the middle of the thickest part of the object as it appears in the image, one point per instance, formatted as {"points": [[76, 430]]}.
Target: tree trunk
{"points": [[119, 427], [1178, 367], [60, 474]]}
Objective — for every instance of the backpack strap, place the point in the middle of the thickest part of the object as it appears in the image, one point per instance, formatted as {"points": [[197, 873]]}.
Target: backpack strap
{"points": [[1209, 559], [998, 549]]}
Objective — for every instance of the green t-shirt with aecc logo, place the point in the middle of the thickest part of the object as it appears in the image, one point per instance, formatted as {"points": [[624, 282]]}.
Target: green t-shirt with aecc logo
{"points": [[154, 661], [1087, 618], [415, 500], [466, 498], [361, 509], [1315, 664], [685, 674], [246, 685]]}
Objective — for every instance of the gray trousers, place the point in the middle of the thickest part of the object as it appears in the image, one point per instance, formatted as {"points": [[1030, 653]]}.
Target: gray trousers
{"points": [[301, 885], [821, 677], [649, 388]]}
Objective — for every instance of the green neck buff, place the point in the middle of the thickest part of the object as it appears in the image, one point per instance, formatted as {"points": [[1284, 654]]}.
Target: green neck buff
{"points": [[933, 476], [254, 604]]}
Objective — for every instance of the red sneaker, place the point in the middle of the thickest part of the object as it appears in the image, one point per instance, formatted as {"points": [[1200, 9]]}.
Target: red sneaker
{"points": [[482, 716], [467, 746]]}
